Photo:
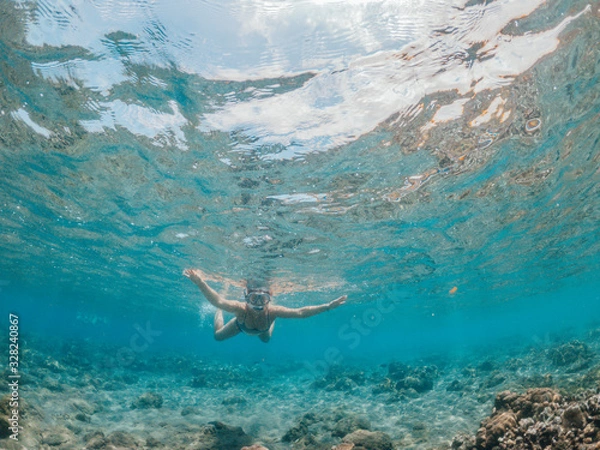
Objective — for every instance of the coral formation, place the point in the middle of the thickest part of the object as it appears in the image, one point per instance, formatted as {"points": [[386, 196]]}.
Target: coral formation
{"points": [[575, 354], [148, 400], [539, 419]]}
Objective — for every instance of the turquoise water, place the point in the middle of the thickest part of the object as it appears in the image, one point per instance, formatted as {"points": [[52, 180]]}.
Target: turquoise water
{"points": [[436, 162]]}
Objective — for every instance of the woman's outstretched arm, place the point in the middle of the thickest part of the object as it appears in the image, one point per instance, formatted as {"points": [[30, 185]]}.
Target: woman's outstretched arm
{"points": [[211, 295], [306, 311]]}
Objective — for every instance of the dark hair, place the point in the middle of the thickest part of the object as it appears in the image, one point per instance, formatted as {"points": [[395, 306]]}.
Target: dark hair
{"points": [[254, 284]]}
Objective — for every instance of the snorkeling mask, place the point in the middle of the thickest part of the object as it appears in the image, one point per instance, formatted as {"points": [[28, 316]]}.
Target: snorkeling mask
{"points": [[257, 299]]}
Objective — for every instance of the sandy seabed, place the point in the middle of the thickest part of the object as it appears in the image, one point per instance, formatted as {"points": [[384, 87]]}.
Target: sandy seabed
{"points": [[74, 395]]}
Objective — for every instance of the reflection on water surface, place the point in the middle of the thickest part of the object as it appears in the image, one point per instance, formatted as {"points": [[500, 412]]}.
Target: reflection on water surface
{"points": [[370, 145]]}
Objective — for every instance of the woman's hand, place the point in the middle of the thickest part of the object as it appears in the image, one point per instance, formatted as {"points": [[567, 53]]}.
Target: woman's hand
{"points": [[193, 274], [337, 302]]}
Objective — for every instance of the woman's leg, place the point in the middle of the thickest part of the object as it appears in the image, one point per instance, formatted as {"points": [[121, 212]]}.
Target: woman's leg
{"points": [[266, 336], [223, 332]]}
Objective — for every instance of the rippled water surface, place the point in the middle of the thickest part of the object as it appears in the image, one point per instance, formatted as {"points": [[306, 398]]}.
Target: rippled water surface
{"points": [[441, 154]]}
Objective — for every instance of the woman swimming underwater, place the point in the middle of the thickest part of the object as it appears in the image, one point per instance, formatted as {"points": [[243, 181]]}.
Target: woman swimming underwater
{"points": [[256, 315]]}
